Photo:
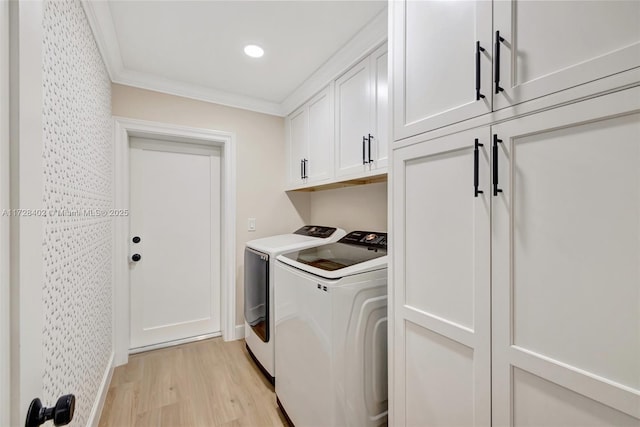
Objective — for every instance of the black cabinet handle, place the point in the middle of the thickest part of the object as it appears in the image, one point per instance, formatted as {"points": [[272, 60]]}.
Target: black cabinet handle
{"points": [[478, 83], [369, 139], [496, 190], [301, 169], [497, 62], [476, 161], [364, 140], [304, 165]]}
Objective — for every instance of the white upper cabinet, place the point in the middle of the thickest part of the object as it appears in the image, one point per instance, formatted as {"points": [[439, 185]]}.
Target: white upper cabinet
{"points": [[380, 145], [342, 133], [320, 162], [353, 124], [297, 133], [548, 46], [309, 132], [361, 116], [449, 54], [440, 48]]}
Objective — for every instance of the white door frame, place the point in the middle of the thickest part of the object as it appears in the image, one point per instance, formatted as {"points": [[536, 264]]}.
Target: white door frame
{"points": [[125, 128], [5, 190], [23, 253]]}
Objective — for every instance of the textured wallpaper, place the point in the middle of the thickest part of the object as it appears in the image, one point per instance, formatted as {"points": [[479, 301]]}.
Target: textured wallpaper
{"points": [[77, 243]]}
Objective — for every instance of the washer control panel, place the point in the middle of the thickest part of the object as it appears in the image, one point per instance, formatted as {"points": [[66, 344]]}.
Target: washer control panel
{"points": [[316, 231], [373, 239]]}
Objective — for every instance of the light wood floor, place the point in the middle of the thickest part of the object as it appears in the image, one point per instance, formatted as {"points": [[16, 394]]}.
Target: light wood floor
{"points": [[208, 383]]}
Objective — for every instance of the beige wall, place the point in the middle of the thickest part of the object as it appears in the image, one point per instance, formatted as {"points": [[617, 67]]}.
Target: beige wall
{"points": [[261, 169], [260, 157], [362, 207]]}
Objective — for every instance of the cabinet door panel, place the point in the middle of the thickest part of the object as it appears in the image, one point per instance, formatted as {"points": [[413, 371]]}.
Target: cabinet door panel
{"points": [[435, 63], [566, 256], [320, 165], [380, 147], [353, 112], [441, 293], [297, 135], [580, 41]]}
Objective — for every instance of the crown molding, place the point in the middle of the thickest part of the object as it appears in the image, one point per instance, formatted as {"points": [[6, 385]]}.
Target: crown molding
{"points": [[200, 93], [364, 42], [101, 21]]}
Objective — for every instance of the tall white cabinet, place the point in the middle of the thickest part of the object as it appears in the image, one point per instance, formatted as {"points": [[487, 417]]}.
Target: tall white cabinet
{"points": [[515, 287]]}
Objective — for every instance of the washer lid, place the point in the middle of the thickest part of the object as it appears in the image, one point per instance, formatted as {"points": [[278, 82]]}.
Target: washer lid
{"points": [[355, 253]]}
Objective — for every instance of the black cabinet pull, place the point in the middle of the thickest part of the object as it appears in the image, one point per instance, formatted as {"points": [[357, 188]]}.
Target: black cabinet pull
{"points": [[369, 139], [478, 83], [496, 190], [304, 169], [364, 140], [301, 169], [497, 62], [476, 161]]}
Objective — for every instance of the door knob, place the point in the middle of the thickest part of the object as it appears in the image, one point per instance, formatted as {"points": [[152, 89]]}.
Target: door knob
{"points": [[61, 414], [136, 257]]}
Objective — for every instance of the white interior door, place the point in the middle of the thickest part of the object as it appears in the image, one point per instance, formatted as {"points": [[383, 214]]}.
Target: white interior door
{"points": [[442, 283], [175, 211], [565, 265]]}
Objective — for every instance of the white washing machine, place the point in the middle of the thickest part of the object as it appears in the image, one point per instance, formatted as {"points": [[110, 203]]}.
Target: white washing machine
{"points": [[331, 323], [259, 261]]}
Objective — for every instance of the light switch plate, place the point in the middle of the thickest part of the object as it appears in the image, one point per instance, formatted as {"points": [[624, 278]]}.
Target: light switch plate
{"points": [[251, 224]]}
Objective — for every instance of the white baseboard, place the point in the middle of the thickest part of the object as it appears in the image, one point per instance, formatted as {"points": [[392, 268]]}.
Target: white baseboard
{"points": [[98, 404], [239, 332]]}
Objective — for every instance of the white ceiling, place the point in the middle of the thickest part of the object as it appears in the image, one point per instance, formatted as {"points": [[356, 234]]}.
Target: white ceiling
{"points": [[192, 47]]}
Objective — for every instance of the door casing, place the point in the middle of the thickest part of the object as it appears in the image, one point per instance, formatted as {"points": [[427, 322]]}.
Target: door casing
{"points": [[5, 189], [124, 129]]}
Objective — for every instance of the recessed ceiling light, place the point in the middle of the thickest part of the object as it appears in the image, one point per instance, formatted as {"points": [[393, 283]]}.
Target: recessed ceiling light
{"points": [[253, 51]]}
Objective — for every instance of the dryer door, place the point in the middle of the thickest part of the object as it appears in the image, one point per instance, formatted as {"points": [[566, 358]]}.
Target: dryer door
{"points": [[256, 292]]}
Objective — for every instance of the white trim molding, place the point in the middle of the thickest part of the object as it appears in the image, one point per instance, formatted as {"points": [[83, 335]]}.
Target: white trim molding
{"points": [[101, 22], [27, 189], [5, 189], [98, 403], [124, 129]]}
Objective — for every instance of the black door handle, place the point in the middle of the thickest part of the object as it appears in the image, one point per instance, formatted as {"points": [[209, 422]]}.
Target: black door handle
{"points": [[304, 168], [476, 161], [496, 190], [369, 139], [478, 83], [61, 414], [136, 257], [496, 74]]}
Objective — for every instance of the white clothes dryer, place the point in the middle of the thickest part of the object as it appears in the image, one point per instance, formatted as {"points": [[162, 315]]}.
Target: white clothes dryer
{"points": [[331, 323], [259, 262]]}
